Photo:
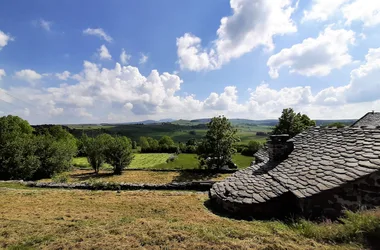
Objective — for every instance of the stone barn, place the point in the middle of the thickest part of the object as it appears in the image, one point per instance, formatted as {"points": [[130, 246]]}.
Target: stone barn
{"points": [[320, 172]]}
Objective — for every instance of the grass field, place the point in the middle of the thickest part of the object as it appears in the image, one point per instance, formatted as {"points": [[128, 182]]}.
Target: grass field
{"points": [[73, 219], [158, 161]]}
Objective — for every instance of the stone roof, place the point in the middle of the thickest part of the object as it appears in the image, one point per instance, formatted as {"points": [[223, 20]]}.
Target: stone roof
{"points": [[262, 155], [369, 119], [322, 159]]}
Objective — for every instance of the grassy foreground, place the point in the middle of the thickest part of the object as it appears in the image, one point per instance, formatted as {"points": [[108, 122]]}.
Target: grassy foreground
{"points": [[63, 219]]}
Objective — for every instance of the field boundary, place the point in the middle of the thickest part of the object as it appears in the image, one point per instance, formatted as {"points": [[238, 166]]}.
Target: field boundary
{"points": [[112, 186]]}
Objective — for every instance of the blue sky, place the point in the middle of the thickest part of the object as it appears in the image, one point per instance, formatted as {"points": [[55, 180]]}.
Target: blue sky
{"points": [[60, 62]]}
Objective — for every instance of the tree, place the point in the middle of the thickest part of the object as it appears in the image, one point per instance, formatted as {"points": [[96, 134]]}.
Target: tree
{"points": [[144, 144], [134, 145], [17, 148], [119, 153], [55, 154], [291, 123], [95, 150], [336, 124], [166, 140], [252, 148], [217, 147], [153, 144]]}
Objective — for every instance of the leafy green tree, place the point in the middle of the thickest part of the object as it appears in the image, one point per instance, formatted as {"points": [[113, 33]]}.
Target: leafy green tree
{"points": [[17, 148], [95, 149], [153, 144], [54, 153], [252, 148], [134, 145], [144, 144], [292, 123], [119, 153], [166, 140], [336, 124], [216, 149]]}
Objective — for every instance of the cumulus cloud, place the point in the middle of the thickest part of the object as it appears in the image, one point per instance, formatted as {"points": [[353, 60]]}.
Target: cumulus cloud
{"points": [[124, 57], [99, 33], [2, 74], [321, 10], [4, 39], [63, 76], [123, 93], [104, 53], [28, 75], [315, 56], [143, 59], [365, 11], [363, 87], [253, 23]]}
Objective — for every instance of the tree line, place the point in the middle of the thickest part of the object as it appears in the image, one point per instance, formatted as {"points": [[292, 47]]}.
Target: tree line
{"points": [[27, 153], [30, 154]]}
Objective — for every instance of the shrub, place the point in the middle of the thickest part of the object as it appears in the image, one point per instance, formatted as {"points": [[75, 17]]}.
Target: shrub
{"points": [[171, 158], [24, 155], [54, 153], [61, 178], [252, 148]]}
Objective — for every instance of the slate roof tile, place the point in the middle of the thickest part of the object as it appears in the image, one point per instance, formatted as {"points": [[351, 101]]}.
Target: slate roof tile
{"points": [[322, 159]]}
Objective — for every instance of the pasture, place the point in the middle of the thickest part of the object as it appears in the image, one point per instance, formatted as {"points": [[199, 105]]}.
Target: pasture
{"points": [[157, 161], [73, 219]]}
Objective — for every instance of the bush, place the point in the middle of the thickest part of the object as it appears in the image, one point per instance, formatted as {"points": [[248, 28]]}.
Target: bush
{"points": [[171, 158], [24, 155], [55, 151], [252, 148], [150, 145], [61, 178]]}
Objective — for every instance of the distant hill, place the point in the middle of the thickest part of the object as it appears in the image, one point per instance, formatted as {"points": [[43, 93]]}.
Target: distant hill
{"points": [[235, 121]]}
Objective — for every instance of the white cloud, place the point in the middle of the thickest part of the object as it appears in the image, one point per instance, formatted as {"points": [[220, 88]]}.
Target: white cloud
{"points": [[253, 23], [143, 59], [28, 75], [99, 33], [128, 106], [82, 112], [63, 76], [4, 39], [124, 57], [122, 94], [2, 74], [46, 25], [315, 56], [103, 53], [321, 10], [364, 11], [363, 87]]}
